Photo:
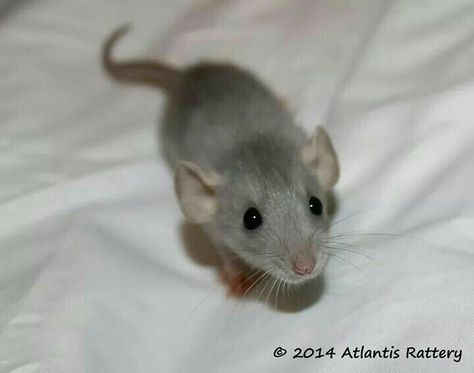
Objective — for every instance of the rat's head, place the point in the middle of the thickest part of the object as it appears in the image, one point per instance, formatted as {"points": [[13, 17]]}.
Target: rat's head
{"points": [[270, 209]]}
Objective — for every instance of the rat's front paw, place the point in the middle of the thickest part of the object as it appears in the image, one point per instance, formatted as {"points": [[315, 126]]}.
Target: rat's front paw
{"points": [[238, 285]]}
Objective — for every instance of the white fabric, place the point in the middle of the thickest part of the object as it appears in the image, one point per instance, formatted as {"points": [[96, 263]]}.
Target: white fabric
{"points": [[97, 273]]}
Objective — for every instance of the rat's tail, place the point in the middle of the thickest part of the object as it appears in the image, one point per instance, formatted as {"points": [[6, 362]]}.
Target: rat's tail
{"points": [[137, 71]]}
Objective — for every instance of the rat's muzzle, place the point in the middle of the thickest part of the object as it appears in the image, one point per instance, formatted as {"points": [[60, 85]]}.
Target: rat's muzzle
{"points": [[303, 265]]}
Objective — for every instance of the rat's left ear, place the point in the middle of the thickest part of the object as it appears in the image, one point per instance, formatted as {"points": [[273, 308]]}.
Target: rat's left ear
{"points": [[319, 155]]}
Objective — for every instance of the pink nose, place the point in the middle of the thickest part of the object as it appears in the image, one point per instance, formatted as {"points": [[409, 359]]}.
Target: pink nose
{"points": [[303, 266]]}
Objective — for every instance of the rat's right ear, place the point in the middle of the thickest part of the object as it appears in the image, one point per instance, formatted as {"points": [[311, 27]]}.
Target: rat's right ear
{"points": [[197, 192]]}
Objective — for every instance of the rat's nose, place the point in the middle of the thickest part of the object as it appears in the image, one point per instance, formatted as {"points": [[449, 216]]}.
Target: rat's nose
{"points": [[303, 266]]}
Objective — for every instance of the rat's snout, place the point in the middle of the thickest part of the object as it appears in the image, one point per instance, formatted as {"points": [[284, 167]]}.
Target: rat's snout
{"points": [[303, 265]]}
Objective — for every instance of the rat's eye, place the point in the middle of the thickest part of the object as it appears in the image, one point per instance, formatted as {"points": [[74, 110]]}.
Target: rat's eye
{"points": [[315, 206], [252, 219]]}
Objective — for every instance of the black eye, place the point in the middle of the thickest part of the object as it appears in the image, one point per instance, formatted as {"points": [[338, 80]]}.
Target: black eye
{"points": [[252, 219], [315, 206]]}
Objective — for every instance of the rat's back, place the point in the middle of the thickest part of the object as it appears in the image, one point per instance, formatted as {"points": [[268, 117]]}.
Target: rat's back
{"points": [[216, 107]]}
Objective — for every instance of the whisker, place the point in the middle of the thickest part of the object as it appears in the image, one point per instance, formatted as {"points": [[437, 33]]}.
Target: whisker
{"points": [[280, 282], [270, 292], [264, 254], [257, 281], [341, 219], [282, 241], [265, 238], [355, 233], [348, 262], [333, 223], [355, 252], [345, 244], [265, 286]]}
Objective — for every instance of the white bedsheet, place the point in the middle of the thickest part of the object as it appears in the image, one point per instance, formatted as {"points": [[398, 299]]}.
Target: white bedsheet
{"points": [[98, 272]]}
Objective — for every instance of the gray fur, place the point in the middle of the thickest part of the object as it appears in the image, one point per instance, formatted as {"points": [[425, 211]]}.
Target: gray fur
{"points": [[234, 146], [224, 120]]}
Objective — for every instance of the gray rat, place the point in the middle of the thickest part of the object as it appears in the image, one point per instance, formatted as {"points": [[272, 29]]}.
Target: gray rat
{"points": [[244, 171]]}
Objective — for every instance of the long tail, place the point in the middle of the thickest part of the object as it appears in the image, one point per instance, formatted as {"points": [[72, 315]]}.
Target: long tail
{"points": [[137, 71]]}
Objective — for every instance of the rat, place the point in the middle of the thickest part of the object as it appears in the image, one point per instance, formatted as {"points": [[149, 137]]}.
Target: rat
{"points": [[243, 170]]}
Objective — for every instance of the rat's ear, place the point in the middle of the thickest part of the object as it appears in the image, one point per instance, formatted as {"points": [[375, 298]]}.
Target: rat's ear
{"points": [[319, 155], [196, 191]]}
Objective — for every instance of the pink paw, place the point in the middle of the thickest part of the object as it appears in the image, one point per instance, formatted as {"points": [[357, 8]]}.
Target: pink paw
{"points": [[238, 285]]}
